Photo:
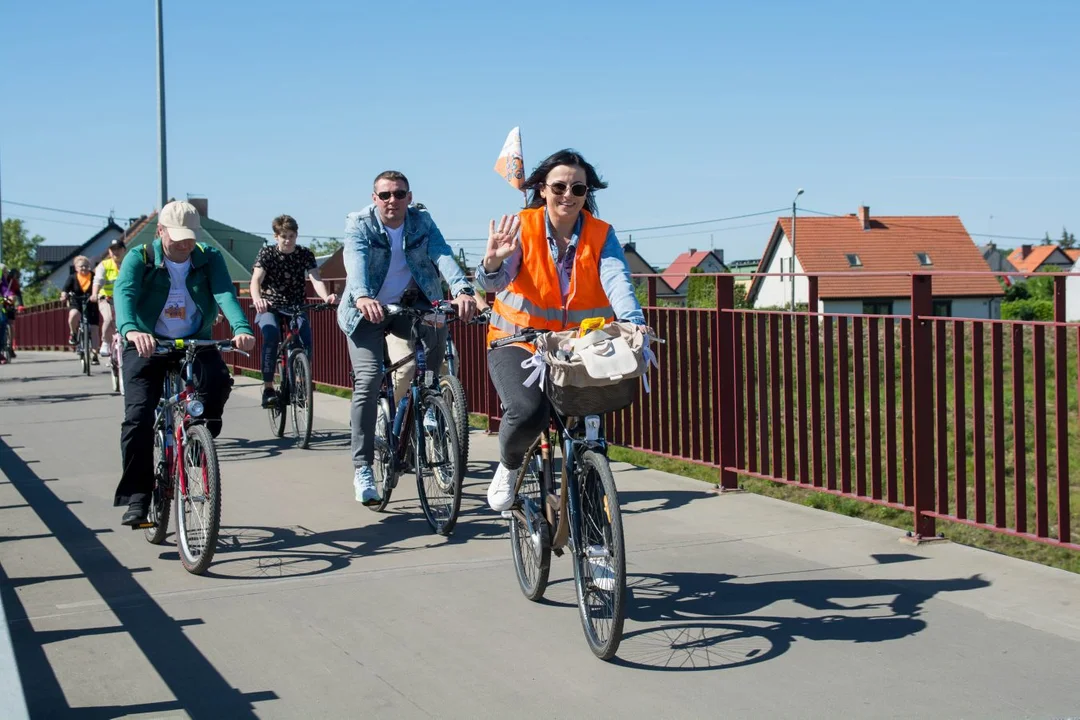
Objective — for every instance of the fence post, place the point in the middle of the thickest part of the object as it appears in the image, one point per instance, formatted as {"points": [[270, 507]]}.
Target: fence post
{"points": [[922, 392], [725, 365], [651, 285], [492, 397]]}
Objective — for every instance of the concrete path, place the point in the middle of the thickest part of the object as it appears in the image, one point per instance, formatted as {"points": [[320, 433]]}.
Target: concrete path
{"points": [[315, 607]]}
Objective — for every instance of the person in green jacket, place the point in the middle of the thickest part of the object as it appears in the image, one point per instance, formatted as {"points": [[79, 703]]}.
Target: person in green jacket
{"points": [[169, 289]]}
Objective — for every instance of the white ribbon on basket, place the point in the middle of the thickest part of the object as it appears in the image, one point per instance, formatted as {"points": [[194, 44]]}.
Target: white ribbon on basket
{"points": [[536, 362], [650, 358]]}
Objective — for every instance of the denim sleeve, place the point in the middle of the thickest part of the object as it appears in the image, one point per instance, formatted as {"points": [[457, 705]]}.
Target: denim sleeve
{"points": [[439, 251], [354, 253], [498, 280], [615, 279]]}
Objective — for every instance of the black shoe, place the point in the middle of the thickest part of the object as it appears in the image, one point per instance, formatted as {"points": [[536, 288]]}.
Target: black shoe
{"points": [[94, 360], [72, 340], [135, 516], [269, 398]]}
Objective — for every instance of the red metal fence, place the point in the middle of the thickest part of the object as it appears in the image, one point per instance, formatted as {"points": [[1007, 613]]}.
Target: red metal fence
{"points": [[973, 421]]}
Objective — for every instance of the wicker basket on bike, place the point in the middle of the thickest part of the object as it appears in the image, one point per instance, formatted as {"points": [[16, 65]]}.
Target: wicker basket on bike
{"points": [[594, 374]]}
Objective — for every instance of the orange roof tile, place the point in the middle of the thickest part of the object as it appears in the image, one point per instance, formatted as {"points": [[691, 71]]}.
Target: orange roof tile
{"points": [[890, 244], [1073, 253]]}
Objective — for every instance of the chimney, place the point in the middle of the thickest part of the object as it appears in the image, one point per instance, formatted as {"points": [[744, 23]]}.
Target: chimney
{"points": [[629, 247], [200, 205], [719, 255], [1025, 250], [864, 216], [693, 251]]}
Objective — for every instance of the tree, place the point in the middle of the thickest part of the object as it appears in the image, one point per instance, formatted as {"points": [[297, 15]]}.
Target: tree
{"points": [[19, 251], [701, 291], [1046, 239], [325, 247], [1068, 240]]}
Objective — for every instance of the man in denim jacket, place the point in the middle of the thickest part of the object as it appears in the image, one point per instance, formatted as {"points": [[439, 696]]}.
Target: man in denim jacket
{"points": [[393, 253]]}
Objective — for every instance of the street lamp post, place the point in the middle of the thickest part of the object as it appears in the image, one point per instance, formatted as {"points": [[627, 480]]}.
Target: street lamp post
{"points": [[792, 268], [161, 103]]}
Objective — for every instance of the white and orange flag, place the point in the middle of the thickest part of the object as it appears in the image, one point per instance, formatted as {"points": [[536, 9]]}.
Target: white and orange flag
{"points": [[511, 164]]}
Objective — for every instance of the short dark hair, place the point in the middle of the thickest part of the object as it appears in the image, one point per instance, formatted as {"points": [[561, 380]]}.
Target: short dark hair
{"points": [[564, 157], [391, 175], [283, 223]]}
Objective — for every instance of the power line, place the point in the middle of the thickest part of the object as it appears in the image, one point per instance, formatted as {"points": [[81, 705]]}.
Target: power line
{"points": [[58, 222], [703, 232], [702, 222], [59, 210]]}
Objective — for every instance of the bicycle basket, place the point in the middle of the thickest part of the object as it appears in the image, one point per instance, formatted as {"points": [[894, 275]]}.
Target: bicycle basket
{"points": [[593, 375]]}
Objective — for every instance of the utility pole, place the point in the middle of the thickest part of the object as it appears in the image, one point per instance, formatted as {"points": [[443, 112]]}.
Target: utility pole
{"points": [[161, 104], [792, 268]]}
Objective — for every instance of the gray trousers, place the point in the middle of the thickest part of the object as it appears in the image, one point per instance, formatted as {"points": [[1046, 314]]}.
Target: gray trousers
{"points": [[366, 348], [526, 411]]}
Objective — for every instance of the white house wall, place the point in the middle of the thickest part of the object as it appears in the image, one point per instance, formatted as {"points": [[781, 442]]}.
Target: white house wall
{"points": [[776, 291], [976, 308], [1072, 295]]}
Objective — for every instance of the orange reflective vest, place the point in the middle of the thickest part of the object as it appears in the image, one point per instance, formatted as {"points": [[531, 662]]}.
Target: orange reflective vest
{"points": [[534, 298]]}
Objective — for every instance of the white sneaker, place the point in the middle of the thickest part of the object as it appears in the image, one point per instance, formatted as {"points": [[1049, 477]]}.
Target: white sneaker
{"points": [[602, 575], [104, 349], [364, 485], [501, 490]]}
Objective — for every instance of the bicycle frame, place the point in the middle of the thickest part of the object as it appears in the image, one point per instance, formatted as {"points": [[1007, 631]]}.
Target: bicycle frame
{"points": [[165, 419]]}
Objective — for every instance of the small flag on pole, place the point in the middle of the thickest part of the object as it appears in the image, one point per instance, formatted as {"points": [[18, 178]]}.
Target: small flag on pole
{"points": [[511, 164]]}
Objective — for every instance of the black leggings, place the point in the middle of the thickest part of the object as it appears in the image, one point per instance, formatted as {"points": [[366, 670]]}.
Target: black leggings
{"points": [[526, 411]]}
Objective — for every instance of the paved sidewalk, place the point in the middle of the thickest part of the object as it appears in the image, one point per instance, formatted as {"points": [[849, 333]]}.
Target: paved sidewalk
{"points": [[740, 606]]}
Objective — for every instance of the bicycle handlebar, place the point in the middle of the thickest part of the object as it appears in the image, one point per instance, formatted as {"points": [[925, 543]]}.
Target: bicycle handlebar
{"points": [[165, 346], [529, 334], [297, 309], [444, 308]]}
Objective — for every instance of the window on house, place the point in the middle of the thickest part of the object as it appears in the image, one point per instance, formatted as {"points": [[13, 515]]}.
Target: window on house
{"points": [[877, 307], [853, 260], [942, 308], [924, 259]]}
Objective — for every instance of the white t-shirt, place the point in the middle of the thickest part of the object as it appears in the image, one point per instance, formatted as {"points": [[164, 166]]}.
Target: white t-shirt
{"points": [[398, 275], [180, 317]]}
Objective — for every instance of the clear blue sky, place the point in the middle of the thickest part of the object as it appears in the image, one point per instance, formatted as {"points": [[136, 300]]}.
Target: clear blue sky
{"points": [[691, 110]]}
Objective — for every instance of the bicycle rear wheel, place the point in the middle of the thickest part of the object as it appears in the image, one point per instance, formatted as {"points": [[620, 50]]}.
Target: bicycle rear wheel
{"points": [[438, 479], [532, 551], [302, 396], [383, 464], [600, 564], [160, 497], [84, 343], [454, 394], [198, 501]]}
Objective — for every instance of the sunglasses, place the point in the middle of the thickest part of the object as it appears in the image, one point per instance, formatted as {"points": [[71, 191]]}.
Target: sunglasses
{"points": [[559, 188], [397, 194]]}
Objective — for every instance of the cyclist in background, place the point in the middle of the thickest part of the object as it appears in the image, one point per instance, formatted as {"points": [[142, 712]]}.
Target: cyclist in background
{"points": [[10, 299], [278, 282], [78, 294], [105, 275]]}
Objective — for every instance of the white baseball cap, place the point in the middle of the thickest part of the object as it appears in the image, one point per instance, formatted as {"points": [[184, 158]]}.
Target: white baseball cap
{"points": [[181, 219]]}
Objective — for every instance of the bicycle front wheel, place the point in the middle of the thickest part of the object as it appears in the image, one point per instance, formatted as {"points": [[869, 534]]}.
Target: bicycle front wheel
{"points": [[85, 344], [159, 498], [532, 551], [383, 463], [198, 501], [302, 391], [276, 412], [454, 395], [600, 564], [438, 479]]}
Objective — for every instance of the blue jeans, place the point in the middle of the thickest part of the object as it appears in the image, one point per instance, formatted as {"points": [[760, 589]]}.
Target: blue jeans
{"points": [[269, 327], [3, 328]]}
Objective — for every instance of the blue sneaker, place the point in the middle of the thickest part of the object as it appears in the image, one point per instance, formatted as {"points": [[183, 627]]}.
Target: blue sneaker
{"points": [[364, 484]]}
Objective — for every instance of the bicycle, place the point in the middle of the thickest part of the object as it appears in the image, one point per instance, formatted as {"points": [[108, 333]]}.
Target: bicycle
{"points": [[116, 363], [7, 307], [186, 466], [454, 392], [579, 510], [421, 426], [84, 339], [296, 388]]}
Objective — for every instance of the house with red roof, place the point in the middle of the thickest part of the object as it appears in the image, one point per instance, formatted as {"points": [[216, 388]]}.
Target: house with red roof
{"points": [[1041, 258], [677, 275], [852, 246]]}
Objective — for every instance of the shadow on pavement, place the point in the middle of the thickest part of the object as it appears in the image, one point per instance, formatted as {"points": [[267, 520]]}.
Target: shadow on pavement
{"points": [[702, 621], [198, 686]]}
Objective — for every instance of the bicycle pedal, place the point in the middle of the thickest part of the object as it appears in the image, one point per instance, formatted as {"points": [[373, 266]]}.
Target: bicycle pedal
{"points": [[507, 514], [143, 525]]}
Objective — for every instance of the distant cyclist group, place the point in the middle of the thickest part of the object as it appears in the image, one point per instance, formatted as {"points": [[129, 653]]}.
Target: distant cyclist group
{"points": [[561, 280]]}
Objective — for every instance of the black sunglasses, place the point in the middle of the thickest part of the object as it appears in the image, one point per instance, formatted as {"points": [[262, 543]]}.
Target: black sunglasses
{"points": [[559, 188], [398, 194]]}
